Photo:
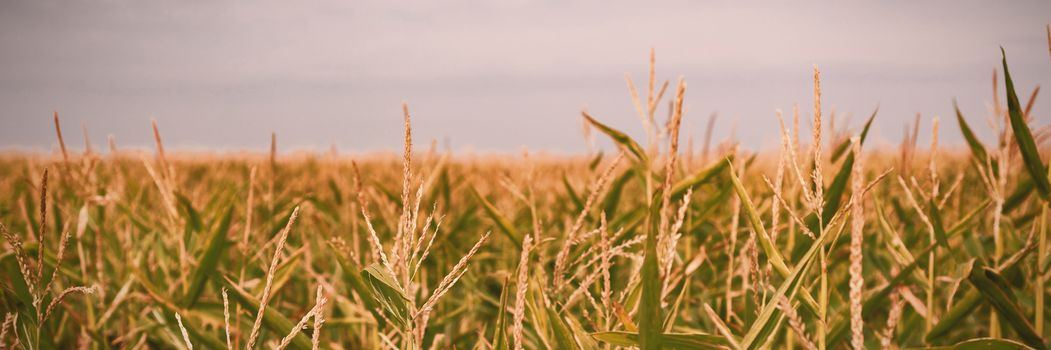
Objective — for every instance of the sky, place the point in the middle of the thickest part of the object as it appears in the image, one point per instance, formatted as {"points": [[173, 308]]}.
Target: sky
{"points": [[494, 75]]}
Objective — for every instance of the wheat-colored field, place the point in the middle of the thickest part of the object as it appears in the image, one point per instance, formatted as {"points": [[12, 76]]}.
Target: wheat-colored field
{"points": [[821, 244]]}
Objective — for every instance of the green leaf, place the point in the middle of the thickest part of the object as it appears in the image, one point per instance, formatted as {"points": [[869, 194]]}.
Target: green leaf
{"points": [[771, 316], [834, 193], [998, 293], [969, 302], [772, 254], [621, 139], [19, 287], [669, 319], [650, 319], [842, 148], [683, 341], [897, 249], [563, 336], [875, 301], [329, 212], [194, 330], [595, 161], [612, 200], [983, 344], [939, 228], [272, 319], [618, 338], [700, 178], [586, 342], [505, 225], [573, 197], [352, 277], [500, 341], [389, 293], [1022, 191], [193, 218], [1024, 138], [968, 219], [981, 156], [391, 195], [337, 194], [209, 259]]}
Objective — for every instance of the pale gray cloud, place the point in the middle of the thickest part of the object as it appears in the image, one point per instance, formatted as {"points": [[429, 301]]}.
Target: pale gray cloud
{"points": [[493, 74]]}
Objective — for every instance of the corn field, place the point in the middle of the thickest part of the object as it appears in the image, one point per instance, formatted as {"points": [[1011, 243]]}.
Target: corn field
{"points": [[823, 243]]}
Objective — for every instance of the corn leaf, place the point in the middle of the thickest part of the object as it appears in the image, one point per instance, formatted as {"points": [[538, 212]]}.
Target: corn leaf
{"points": [[875, 301], [209, 259], [571, 193], [842, 147], [500, 341], [563, 336], [834, 193], [505, 225], [981, 156], [621, 139], [683, 341], [998, 293], [272, 319], [700, 178], [771, 316], [1022, 192], [389, 293], [193, 329], [650, 319], [970, 301], [772, 254], [936, 222], [612, 200], [193, 218], [982, 344], [352, 277], [1024, 138]]}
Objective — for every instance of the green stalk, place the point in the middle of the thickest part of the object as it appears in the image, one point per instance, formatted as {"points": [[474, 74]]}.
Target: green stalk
{"points": [[929, 320], [650, 314], [1041, 253], [822, 299]]}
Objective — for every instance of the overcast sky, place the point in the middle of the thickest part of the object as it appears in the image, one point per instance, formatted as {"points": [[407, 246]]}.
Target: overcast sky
{"points": [[492, 75]]}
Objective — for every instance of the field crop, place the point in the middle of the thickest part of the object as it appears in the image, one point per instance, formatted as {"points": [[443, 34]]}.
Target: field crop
{"points": [[822, 244]]}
